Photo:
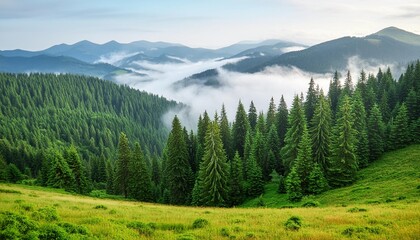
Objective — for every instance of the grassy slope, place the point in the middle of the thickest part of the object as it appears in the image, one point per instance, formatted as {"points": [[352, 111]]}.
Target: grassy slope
{"points": [[394, 175]]}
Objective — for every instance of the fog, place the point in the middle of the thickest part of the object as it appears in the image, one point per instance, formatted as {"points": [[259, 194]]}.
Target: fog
{"points": [[258, 87]]}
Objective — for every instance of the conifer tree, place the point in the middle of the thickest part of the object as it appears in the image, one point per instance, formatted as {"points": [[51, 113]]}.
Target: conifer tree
{"points": [[317, 181], [247, 154], [362, 142], [261, 127], [311, 101], [122, 173], [413, 108], [271, 115], [304, 162], [321, 132], [348, 85], [225, 133], [213, 170], [3, 169], [334, 93], [110, 177], [73, 160], [296, 123], [259, 152], [252, 116], [156, 171], [282, 118], [13, 174], [236, 188], [343, 162], [239, 130], [201, 134], [191, 142], [60, 175], [400, 135], [255, 181], [293, 186], [282, 185], [140, 185], [375, 133], [179, 174], [102, 169], [273, 148]]}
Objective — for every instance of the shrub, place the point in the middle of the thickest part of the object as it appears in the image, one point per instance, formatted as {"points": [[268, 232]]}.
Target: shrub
{"points": [[260, 202], [186, 237], [47, 213], [9, 191], [311, 203], [112, 211], [350, 231], [101, 207], [356, 209], [74, 229], [52, 231], [176, 227], [293, 223], [15, 226], [200, 223], [142, 228], [224, 232], [26, 206]]}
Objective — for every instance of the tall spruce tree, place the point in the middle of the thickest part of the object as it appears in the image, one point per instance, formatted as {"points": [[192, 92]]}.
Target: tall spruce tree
{"points": [[343, 163], [259, 152], [214, 170], [75, 164], [179, 174], [261, 127], [225, 133], [334, 93], [304, 162], [360, 125], [252, 116], [282, 118], [321, 132], [247, 154], [140, 184], [60, 175], [311, 100], [201, 134], [273, 149], [348, 85], [271, 115], [375, 133], [293, 186], [296, 123], [240, 128], [255, 182], [236, 181], [317, 181], [400, 131], [122, 173]]}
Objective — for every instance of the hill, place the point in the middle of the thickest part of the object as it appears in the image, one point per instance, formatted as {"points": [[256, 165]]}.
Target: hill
{"points": [[344, 213], [400, 35]]}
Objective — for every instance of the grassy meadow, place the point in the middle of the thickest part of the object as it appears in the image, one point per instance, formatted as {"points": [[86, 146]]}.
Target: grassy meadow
{"points": [[383, 204]]}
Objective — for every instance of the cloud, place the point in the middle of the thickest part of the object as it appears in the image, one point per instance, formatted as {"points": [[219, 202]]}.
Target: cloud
{"points": [[115, 57]]}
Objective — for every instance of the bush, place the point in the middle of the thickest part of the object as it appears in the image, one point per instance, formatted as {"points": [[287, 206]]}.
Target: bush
{"points": [[224, 232], [15, 226], [176, 227], [186, 237], [356, 209], [260, 202], [142, 228], [74, 229], [357, 230], [200, 223], [9, 191], [47, 213], [293, 223], [311, 203], [101, 207], [52, 231]]}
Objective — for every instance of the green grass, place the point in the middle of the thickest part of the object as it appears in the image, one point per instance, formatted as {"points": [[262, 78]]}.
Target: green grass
{"points": [[348, 213]]}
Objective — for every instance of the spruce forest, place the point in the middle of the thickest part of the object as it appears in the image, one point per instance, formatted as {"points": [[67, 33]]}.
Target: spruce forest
{"points": [[97, 138]]}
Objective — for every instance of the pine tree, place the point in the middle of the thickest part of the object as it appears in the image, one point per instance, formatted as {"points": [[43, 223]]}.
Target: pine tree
{"points": [[239, 130], [273, 148], [261, 127], [73, 160], [213, 182], [201, 134], [343, 163], [255, 182], [155, 171], [236, 188], [252, 116], [13, 174], [247, 154], [259, 152], [110, 176], [271, 115], [140, 185], [348, 85], [334, 93], [413, 108], [400, 135], [375, 133], [321, 132], [362, 142], [282, 118], [60, 175], [304, 162], [293, 186], [225, 133], [317, 181], [122, 173], [191, 141], [296, 123], [311, 101], [179, 174]]}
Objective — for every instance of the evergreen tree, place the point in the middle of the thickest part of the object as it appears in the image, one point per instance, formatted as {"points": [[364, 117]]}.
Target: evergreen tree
{"points": [[261, 127], [201, 134], [110, 176], [252, 116], [271, 115], [317, 181], [362, 142], [273, 149], [282, 118], [155, 171], [343, 162], [140, 184], [60, 175], [259, 152], [236, 188], [122, 173], [413, 108], [334, 93], [311, 101], [375, 133], [240, 128], [348, 85], [13, 174], [296, 123], [293, 186], [255, 181], [304, 162], [102, 169], [75, 164], [213, 170], [178, 169], [3, 169], [321, 132], [400, 135], [282, 185], [191, 142], [247, 154], [225, 133]]}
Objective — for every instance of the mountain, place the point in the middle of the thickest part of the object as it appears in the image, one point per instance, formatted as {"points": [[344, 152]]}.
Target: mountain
{"points": [[270, 50], [400, 35], [237, 48], [56, 64]]}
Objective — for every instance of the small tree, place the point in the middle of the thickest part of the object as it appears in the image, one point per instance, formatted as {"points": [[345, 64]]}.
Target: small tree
{"points": [[236, 188], [400, 135], [140, 185], [317, 181], [293, 186]]}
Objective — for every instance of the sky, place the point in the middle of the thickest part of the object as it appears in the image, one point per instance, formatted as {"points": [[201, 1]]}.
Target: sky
{"points": [[39, 24]]}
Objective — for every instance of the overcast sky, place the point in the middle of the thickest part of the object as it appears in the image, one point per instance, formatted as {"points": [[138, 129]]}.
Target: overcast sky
{"points": [[38, 24]]}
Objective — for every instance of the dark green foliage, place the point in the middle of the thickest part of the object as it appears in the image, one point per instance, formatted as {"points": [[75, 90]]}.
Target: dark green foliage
{"points": [[3, 169], [317, 181], [101, 207], [178, 168], [225, 134], [200, 223], [259, 152], [14, 226], [282, 118], [282, 184], [110, 177], [143, 228], [255, 181], [348, 85], [252, 116], [343, 163], [304, 162], [213, 175], [375, 133], [122, 174], [310, 204], [311, 101], [140, 184], [236, 181], [73, 160], [203, 125], [294, 186], [13, 174], [296, 123], [261, 124], [321, 132], [271, 114], [47, 213], [400, 135], [240, 129], [273, 148], [293, 223], [156, 172], [60, 175], [334, 93], [52, 231], [360, 125], [247, 154]]}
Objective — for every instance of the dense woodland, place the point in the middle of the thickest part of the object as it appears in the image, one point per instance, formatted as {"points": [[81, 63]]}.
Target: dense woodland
{"points": [[319, 143]]}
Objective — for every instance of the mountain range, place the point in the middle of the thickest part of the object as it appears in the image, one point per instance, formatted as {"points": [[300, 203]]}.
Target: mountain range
{"points": [[388, 46]]}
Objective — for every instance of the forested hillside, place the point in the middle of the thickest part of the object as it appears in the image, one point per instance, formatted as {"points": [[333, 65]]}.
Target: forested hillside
{"points": [[42, 113]]}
